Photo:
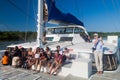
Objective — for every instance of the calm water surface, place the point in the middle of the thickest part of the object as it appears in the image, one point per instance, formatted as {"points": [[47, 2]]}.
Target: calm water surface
{"points": [[4, 44]]}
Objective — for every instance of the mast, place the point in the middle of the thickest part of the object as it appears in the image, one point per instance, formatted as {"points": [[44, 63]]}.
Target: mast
{"points": [[40, 23]]}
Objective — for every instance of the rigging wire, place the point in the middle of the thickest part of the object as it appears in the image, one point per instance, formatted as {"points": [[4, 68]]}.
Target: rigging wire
{"points": [[21, 10], [27, 20], [117, 11], [34, 12], [114, 6], [79, 9], [34, 9], [2, 24]]}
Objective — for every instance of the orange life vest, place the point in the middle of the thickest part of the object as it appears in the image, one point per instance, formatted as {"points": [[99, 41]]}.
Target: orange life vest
{"points": [[5, 60]]}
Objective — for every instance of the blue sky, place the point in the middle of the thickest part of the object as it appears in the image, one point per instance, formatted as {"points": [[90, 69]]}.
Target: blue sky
{"points": [[97, 15]]}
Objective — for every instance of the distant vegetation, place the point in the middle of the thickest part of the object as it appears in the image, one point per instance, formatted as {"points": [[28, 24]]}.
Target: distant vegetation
{"points": [[104, 34], [17, 36], [31, 36]]}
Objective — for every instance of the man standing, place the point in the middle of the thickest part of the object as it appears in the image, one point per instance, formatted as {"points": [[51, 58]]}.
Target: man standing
{"points": [[98, 53]]}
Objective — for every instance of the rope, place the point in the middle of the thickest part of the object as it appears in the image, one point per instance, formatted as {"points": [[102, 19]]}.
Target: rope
{"points": [[26, 14], [114, 6]]}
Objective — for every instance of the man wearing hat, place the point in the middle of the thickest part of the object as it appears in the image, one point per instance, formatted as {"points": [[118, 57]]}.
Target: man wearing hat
{"points": [[98, 53]]}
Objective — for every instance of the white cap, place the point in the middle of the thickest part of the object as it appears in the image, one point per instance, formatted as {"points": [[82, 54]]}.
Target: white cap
{"points": [[95, 34]]}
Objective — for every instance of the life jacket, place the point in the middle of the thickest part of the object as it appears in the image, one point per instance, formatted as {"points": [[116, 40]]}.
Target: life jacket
{"points": [[5, 60]]}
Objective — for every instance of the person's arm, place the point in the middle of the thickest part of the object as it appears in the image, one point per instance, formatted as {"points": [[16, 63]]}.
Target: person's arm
{"points": [[43, 58], [56, 61], [60, 61], [95, 41]]}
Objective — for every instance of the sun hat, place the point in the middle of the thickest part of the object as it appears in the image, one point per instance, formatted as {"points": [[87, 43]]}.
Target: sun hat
{"points": [[95, 34]]}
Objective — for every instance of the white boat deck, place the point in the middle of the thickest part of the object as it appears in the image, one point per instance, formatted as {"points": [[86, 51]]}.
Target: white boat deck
{"points": [[9, 73]]}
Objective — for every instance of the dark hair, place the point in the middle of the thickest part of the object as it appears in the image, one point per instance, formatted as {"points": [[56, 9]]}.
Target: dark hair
{"points": [[16, 47], [57, 51], [42, 49], [38, 49], [30, 48], [47, 48], [57, 46], [6, 53], [22, 49], [66, 48]]}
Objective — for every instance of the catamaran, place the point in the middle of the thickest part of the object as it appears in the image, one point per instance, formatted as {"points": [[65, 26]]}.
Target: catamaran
{"points": [[73, 35]]}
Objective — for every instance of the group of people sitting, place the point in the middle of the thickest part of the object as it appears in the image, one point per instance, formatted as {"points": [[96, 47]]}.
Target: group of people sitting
{"points": [[39, 60]]}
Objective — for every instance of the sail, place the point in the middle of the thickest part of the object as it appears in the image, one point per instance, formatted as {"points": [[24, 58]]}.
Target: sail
{"points": [[57, 16]]}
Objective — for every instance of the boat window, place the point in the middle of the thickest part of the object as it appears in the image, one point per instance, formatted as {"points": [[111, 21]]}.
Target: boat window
{"points": [[65, 30], [69, 30], [59, 30], [66, 39], [78, 30], [56, 31], [49, 38], [50, 31]]}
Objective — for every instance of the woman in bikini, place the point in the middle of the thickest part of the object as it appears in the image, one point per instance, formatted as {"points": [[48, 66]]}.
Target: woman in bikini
{"points": [[30, 58]]}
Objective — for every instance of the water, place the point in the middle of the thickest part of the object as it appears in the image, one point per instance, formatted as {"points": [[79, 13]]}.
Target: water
{"points": [[4, 44]]}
